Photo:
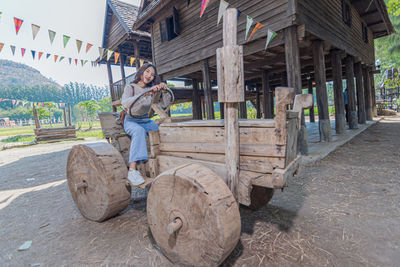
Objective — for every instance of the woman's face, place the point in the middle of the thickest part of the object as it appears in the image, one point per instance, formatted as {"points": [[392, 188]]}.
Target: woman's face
{"points": [[148, 75]]}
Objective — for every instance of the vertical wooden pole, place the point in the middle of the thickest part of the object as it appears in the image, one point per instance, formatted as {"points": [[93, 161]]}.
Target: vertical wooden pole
{"points": [[222, 110], [196, 100], [293, 70], [271, 102], [325, 131], [137, 56], [69, 115], [353, 120], [258, 103], [360, 93], [110, 83], [373, 95], [266, 96], [207, 90], [65, 117], [367, 94], [340, 119], [36, 116], [311, 91], [231, 110], [122, 67], [243, 110]]}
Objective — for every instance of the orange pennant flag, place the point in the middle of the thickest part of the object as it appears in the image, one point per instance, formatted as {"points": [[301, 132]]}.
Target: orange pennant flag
{"points": [[55, 58], [88, 46], [116, 56], [23, 51], [256, 28], [18, 24], [40, 55], [204, 5], [132, 60], [1, 46]]}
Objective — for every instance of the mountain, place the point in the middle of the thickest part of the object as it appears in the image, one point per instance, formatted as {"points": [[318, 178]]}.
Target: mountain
{"points": [[13, 74]]}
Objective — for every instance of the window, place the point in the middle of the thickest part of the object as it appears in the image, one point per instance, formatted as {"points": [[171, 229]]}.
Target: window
{"points": [[364, 33], [346, 13], [170, 27]]}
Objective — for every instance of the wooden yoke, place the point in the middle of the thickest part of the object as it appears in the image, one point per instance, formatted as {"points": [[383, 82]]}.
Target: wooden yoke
{"points": [[231, 91], [304, 101]]}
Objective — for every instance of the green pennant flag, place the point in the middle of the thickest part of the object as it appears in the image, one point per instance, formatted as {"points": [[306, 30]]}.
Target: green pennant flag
{"points": [[109, 54], [101, 52], [52, 35], [79, 45], [271, 35], [66, 39], [61, 58]]}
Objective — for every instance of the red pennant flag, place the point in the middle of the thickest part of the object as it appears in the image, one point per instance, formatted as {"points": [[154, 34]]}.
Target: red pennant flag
{"points": [[55, 58], [40, 55], [116, 56], [256, 28], [23, 51], [18, 24], [204, 5], [88, 46], [76, 61], [1, 46]]}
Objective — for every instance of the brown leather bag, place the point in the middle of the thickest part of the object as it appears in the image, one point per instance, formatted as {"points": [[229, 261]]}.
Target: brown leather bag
{"points": [[123, 112]]}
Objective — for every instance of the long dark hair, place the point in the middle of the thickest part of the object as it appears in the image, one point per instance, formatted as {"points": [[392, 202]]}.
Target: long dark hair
{"points": [[138, 75]]}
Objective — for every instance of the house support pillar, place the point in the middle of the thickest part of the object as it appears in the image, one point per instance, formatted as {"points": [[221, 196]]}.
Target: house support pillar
{"points": [[351, 96], [340, 119], [360, 93]]}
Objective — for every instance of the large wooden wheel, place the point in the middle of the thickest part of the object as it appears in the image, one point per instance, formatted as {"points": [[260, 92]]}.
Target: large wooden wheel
{"points": [[96, 175], [193, 216], [260, 196]]}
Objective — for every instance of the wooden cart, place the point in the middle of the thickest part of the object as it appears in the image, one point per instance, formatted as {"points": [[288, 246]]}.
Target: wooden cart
{"points": [[198, 173]]}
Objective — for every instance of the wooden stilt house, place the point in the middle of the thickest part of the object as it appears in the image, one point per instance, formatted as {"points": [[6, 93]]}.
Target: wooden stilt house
{"points": [[316, 42]]}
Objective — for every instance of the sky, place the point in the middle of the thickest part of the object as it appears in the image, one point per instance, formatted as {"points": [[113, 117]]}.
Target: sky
{"points": [[79, 19]]}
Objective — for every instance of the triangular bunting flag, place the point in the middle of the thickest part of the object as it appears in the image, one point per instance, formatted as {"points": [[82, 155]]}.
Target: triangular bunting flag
{"points": [[82, 62], [85, 61], [61, 58], [248, 26], [132, 60], [239, 13], [141, 62], [109, 54], [88, 46], [0, 14], [223, 5], [101, 52], [79, 45], [271, 35], [116, 56], [48, 55], [12, 49], [52, 35], [65, 40], [1, 46], [33, 54], [40, 55], [35, 30], [70, 60], [76, 62], [23, 51], [55, 58], [256, 28], [204, 5], [18, 24]]}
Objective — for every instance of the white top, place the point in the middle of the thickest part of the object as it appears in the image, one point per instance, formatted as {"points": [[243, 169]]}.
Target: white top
{"points": [[128, 97]]}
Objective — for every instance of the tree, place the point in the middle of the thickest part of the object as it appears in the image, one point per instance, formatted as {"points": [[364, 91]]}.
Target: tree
{"points": [[91, 107]]}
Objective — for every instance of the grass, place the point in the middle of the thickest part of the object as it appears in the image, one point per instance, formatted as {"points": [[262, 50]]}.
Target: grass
{"points": [[18, 139]]}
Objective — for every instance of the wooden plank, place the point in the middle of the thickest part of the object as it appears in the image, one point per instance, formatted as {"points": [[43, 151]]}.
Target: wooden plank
{"points": [[196, 107], [267, 123], [336, 62], [109, 124], [351, 95], [207, 90], [268, 150]]}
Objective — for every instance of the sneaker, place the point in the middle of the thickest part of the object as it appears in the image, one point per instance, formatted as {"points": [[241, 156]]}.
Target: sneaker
{"points": [[135, 178]]}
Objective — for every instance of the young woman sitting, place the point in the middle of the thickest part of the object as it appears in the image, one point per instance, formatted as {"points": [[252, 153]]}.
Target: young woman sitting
{"points": [[137, 126]]}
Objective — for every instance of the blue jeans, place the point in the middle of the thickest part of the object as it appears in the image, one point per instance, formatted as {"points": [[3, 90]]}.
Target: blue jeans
{"points": [[137, 129]]}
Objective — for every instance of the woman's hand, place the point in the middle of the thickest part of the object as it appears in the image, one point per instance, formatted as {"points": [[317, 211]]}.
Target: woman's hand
{"points": [[158, 87]]}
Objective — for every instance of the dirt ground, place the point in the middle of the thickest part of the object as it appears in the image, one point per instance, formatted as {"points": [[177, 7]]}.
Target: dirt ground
{"points": [[341, 211]]}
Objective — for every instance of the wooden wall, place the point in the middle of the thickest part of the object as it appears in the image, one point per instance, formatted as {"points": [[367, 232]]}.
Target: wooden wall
{"points": [[323, 18], [200, 37], [115, 31]]}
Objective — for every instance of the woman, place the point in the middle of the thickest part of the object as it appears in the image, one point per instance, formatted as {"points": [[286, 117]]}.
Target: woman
{"points": [[137, 126]]}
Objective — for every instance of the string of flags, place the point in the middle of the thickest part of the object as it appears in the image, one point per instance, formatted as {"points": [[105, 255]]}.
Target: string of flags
{"points": [[24, 103], [249, 22], [18, 23]]}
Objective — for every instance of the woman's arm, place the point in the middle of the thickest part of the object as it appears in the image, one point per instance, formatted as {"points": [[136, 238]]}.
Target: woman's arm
{"points": [[127, 97]]}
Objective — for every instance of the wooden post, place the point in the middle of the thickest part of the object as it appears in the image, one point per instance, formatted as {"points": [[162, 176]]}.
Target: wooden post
{"points": [[271, 102], [207, 90], [266, 96], [65, 116], [222, 110], [243, 110], [36, 116], [110, 83], [373, 95], [231, 91], [360, 93], [311, 91], [122, 67], [293, 70], [258, 103], [196, 105], [367, 94], [69, 115], [325, 131], [340, 119], [137, 56], [353, 120]]}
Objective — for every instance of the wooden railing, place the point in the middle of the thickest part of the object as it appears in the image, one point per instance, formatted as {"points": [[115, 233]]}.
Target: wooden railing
{"points": [[118, 88]]}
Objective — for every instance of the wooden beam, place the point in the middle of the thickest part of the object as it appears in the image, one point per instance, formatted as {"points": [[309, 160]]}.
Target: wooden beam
{"points": [[207, 90], [266, 96], [311, 91], [340, 119], [373, 95], [360, 93], [351, 96], [110, 83], [325, 132], [367, 94], [36, 116]]}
